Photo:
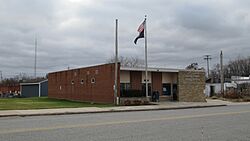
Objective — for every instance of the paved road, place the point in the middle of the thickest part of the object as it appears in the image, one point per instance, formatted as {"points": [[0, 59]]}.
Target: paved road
{"points": [[231, 123]]}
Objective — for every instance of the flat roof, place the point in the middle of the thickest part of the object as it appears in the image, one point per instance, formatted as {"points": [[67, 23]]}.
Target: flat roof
{"points": [[150, 69], [84, 67], [35, 83]]}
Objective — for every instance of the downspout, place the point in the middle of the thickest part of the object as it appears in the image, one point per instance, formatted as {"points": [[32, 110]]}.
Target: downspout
{"points": [[21, 89], [39, 90]]}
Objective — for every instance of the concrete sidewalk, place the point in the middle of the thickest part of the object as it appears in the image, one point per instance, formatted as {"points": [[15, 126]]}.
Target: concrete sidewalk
{"points": [[86, 110]]}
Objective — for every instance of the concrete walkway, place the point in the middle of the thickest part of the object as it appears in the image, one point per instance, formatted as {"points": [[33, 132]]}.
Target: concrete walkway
{"points": [[86, 110]]}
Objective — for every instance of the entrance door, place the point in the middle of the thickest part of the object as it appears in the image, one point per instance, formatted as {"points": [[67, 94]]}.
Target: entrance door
{"points": [[175, 97], [212, 91]]}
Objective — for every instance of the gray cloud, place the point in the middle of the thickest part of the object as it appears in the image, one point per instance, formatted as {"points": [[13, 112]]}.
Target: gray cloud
{"points": [[78, 33]]}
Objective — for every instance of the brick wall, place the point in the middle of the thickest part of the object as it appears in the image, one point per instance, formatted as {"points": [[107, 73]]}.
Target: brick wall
{"points": [[12, 88], [135, 80], [191, 85], [91, 84], [157, 82]]}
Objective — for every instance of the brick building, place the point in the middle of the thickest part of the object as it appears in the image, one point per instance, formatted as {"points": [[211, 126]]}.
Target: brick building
{"points": [[14, 88], [95, 84]]}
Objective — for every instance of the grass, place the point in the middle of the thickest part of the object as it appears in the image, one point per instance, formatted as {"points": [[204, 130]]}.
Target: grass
{"points": [[43, 103]]}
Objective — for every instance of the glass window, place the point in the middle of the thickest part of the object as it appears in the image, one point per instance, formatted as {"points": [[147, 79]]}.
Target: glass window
{"points": [[166, 89], [125, 86]]}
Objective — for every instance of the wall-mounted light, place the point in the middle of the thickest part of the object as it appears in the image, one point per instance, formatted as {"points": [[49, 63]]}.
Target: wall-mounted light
{"points": [[82, 81], [92, 80]]}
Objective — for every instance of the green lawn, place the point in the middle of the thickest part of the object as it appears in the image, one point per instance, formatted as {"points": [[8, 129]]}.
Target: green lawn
{"points": [[43, 103]]}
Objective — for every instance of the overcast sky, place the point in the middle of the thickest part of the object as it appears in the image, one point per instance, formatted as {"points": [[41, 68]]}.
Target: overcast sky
{"points": [[79, 33]]}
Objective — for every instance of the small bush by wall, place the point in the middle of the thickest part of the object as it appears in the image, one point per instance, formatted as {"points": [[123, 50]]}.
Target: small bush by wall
{"points": [[133, 101]]}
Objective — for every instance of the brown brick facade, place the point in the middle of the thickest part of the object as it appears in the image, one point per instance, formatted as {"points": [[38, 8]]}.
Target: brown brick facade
{"points": [[92, 84], [135, 80], [157, 82], [9, 88], [95, 84]]}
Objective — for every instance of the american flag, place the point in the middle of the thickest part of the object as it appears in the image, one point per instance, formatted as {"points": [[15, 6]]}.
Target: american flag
{"points": [[141, 27], [141, 31]]}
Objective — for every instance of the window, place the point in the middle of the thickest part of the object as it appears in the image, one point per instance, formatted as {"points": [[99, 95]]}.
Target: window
{"points": [[93, 80], [125, 86], [166, 89], [60, 88], [82, 81], [72, 82]]}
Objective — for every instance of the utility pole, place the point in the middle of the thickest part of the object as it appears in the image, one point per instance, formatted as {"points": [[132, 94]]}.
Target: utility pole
{"points": [[35, 57], [221, 73], [1, 76], [207, 57]]}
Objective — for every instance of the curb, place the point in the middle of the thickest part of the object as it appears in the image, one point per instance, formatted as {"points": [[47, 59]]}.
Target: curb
{"points": [[112, 111]]}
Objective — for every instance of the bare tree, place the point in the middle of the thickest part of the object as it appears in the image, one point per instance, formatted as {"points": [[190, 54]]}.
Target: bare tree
{"points": [[20, 78], [215, 73], [194, 66], [237, 67], [130, 62]]}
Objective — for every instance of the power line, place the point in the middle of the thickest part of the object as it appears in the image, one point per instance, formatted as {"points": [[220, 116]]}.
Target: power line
{"points": [[207, 57]]}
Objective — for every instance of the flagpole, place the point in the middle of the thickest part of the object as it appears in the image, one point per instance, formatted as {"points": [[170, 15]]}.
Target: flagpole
{"points": [[116, 62], [146, 57], [35, 57]]}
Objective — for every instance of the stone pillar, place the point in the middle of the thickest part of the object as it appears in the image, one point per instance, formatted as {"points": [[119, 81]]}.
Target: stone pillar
{"points": [[191, 86]]}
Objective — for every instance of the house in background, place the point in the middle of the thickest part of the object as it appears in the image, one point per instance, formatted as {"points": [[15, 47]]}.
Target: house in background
{"points": [[14, 88], [37, 89], [240, 80], [9, 90], [236, 83], [96, 83]]}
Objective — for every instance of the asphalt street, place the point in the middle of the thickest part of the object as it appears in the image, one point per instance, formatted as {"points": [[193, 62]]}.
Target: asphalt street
{"points": [[230, 123]]}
